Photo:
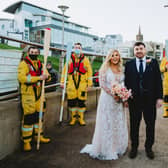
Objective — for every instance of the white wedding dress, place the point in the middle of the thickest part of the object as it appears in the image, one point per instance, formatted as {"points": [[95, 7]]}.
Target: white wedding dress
{"points": [[110, 138]]}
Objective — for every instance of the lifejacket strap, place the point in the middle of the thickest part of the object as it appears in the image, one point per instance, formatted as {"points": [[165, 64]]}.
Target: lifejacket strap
{"points": [[29, 78]]}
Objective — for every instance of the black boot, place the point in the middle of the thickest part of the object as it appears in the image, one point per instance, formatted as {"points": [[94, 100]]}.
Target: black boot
{"points": [[150, 154], [133, 153]]}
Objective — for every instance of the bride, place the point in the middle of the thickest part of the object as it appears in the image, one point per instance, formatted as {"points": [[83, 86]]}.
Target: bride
{"points": [[110, 138]]}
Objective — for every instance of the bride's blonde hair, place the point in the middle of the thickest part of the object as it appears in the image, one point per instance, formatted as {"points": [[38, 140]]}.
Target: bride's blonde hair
{"points": [[107, 61]]}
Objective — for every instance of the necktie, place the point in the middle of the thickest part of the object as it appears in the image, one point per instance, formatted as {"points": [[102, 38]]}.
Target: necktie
{"points": [[141, 67], [141, 77]]}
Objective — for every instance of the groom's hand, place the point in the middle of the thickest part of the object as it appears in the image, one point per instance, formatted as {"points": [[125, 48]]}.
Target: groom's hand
{"points": [[159, 103]]}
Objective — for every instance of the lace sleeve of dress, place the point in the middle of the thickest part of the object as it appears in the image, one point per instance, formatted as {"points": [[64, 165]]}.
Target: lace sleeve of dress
{"points": [[122, 80], [103, 83]]}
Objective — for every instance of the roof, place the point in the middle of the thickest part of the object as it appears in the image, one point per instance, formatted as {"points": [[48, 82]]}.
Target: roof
{"points": [[61, 20], [12, 8], [60, 28], [6, 19]]}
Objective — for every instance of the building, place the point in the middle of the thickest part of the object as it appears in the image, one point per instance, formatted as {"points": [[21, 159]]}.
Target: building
{"points": [[113, 41], [154, 49], [31, 20], [7, 29], [126, 49], [139, 36], [104, 44], [6, 24]]}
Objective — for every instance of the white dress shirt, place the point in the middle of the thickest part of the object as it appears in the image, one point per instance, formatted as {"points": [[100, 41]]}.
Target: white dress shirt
{"points": [[143, 62]]}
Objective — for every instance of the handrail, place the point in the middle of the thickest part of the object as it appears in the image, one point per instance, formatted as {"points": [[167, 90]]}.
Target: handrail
{"points": [[51, 48], [41, 46], [14, 95], [28, 43]]}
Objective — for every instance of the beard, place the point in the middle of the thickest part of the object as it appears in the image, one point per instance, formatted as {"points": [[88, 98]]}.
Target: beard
{"points": [[140, 55]]}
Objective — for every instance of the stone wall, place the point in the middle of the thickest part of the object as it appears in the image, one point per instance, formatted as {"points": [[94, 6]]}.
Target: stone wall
{"points": [[10, 118]]}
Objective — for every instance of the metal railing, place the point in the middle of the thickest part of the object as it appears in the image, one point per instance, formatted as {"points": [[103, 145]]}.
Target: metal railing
{"points": [[51, 48], [14, 95], [41, 46]]}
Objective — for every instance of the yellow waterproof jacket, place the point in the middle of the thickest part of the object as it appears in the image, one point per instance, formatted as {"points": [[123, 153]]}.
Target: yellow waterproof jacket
{"points": [[165, 75], [26, 80], [79, 80]]}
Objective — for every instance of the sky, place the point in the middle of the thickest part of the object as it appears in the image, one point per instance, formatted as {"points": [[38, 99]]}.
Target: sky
{"points": [[112, 16]]}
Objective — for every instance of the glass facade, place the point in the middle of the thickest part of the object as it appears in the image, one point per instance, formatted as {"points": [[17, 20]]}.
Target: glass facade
{"points": [[35, 19], [28, 23], [38, 10], [26, 35], [43, 18], [3, 27]]}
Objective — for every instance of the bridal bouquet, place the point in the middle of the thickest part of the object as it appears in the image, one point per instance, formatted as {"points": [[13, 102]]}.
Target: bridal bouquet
{"points": [[121, 92]]}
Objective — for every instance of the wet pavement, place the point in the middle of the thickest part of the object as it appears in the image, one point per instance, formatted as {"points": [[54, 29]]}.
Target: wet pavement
{"points": [[63, 151]]}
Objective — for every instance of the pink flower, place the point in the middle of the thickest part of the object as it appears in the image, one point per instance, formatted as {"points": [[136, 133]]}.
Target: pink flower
{"points": [[148, 61], [121, 92]]}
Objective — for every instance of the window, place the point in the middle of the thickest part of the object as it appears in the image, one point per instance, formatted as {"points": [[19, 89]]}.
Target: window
{"points": [[157, 54], [158, 47], [3, 27], [28, 23], [11, 25], [26, 35], [43, 18], [37, 21]]}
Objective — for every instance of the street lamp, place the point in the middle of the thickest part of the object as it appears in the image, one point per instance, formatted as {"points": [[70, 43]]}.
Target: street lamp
{"points": [[61, 61]]}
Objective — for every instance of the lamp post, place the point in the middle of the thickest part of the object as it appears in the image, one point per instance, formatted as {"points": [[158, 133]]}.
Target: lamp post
{"points": [[61, 61]]}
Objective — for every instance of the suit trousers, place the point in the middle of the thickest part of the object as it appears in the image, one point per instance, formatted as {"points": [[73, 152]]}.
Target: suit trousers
{"points": [[137, 110]]}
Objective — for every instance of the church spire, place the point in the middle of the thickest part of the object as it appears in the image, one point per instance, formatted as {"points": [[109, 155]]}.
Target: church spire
{"points": [[139, 30], [139, 36]]}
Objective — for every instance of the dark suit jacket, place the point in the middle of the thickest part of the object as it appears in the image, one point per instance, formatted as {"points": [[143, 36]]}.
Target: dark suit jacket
{"points": [[151, 82]]}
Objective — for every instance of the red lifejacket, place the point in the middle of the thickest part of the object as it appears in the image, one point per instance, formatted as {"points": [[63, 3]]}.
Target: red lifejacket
{"points": [[77, 66], [32, 70]]}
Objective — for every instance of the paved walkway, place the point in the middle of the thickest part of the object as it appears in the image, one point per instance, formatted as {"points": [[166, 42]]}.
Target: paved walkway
{"points": [[63, 151]]}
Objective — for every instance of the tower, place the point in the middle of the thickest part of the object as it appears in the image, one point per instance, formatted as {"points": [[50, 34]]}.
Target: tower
{"points": [[139, 36]]}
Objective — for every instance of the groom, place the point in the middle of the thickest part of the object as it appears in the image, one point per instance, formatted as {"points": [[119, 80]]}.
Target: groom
{"points": [[142, 76]]}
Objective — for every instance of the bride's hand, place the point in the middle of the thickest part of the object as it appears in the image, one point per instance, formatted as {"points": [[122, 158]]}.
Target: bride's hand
{"points": [[117, 98], [125, 104]]}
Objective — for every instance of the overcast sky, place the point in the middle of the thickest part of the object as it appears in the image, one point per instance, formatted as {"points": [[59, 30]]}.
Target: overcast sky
{"points": [[112, 16]]}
